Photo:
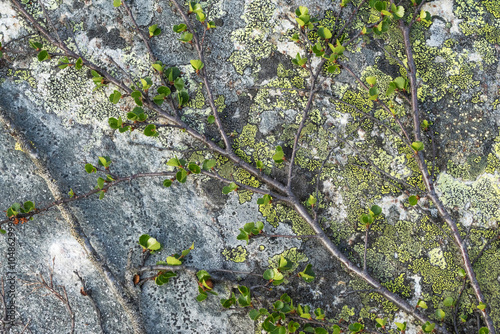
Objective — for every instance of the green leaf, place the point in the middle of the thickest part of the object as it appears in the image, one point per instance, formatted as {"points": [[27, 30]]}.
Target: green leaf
{"points": [[285, 264], [175, 162], [308, 274], [143, 240], [164, 91], [319, 313], [279, 155], [43, 55], [398, 11], [171, 74], [1, 230], [101, 195], [333, 69], [422, 304], [29, 206], [35, 45], [211, 119], [484, 330], [231, 187], [380, 323], [167, 183], [428, 327], [373, 93], [268, 274], [154, 30], [90, 169], [400, 83], [150, 131], [137, 96], [320, 330], [197, 64], [203, 275], [117, 3], [311, 200], [179, 84], [173, 261], [209, 164], [158, 65], [265, 200], [259, 164], [194, 168], [146, 83], [137, 114], [201, 297], [178, 28], [417, 146], [293, 326], [391, 88], [63, 61], [440, 314], [413, 200], [449, 302], [153, 244], [356, 327], [211, 25], [336, 328], [79, 63], [324, 33], [186, 37], [200, 16], [371, 80], [375, 210], [462, 273], [243, 236], [401, 326], [115, 123], [463, 318], [181, 176], [254, 314], [182, 97], [299, 61], [104, 161], [278, 305], [366, 219], [100, 182], [481, 306], [158, 99], [71, 193], [115, 97]]}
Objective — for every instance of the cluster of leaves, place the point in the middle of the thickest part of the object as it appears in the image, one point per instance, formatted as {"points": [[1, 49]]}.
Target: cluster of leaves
{"points": [[205, 285], [149, 244], [276, 276], [184, 169], [278, 319], [101, 182], [164, 276], [244, 299], [250, 230], [324, 34], [368, 218], [42, 53], [18, 208]]}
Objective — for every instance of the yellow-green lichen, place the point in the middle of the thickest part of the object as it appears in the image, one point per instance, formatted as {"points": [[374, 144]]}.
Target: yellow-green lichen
{"points": [[251, 42], [237, 254]]}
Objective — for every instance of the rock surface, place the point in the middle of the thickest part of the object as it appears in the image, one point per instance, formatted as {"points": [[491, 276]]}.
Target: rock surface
{"points": [[257, 91]]}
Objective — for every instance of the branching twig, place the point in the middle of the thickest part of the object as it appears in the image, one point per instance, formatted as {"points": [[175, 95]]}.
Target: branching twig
{"points": [[57, 291]]}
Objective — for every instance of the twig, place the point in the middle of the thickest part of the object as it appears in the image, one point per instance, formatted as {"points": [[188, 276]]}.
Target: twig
{"points": [[61, 295], [366, 248], [412, 75], [85, 291]]}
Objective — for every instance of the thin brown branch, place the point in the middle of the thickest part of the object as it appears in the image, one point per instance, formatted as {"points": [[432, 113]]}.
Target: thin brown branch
{"points": [[443, 212]]}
